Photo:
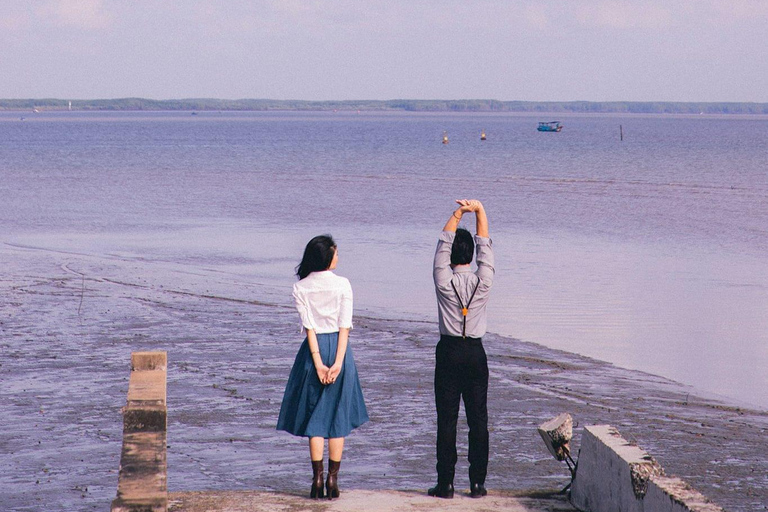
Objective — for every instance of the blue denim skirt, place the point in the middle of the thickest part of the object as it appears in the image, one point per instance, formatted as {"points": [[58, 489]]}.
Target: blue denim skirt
{"points": [[312, 409]]}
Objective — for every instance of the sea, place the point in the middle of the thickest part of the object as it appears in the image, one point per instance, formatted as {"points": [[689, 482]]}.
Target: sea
{"points": [[637, 240]]}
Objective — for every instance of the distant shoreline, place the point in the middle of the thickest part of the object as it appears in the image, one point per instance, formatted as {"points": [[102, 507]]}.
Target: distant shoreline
{"points": [[209, 104]]}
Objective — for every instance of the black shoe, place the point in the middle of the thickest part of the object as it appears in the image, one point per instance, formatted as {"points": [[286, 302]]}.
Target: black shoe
{"points": [[477, 491], [442, 491]]}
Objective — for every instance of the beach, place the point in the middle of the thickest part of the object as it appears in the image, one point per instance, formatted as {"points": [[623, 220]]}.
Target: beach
{"points": [[67, 338]]}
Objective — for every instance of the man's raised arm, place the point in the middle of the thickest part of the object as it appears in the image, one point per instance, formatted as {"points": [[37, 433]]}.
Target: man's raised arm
{"points": [[485, 260], [482, 219]]}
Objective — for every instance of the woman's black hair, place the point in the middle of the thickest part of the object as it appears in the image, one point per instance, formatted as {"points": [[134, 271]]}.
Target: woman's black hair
{"points": [[317, 256], [463, 248]]}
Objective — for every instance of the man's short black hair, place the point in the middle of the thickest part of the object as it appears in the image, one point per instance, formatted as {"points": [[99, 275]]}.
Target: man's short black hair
{"points": [[463, 248]]}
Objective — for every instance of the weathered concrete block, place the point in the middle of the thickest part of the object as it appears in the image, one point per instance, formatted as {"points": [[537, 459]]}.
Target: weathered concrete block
{"points": [[142, 481], [670, 494], [612, 474], [149, 360], [145, 410], [144, 419], [119, 505], [557, 434], [147, 387], [143, 466]]}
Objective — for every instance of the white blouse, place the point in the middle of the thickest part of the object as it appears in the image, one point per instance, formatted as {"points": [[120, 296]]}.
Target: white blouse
{"points": [[324, 302]]}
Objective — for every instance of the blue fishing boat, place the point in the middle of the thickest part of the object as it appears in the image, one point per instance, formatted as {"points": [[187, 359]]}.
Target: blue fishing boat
{"points": [[550, 126]]}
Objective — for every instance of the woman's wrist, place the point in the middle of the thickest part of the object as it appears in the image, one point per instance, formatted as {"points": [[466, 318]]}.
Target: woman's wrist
{"points": [[460, 213]]}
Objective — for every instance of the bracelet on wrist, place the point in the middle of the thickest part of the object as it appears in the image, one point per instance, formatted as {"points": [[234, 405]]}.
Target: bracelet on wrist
{"points": [[458, 217]]}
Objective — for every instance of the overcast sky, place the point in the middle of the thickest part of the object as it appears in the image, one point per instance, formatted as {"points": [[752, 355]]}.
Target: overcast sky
{"points": [[549, 50]]}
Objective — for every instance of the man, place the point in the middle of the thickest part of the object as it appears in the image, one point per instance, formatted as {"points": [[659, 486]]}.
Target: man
{"points": [[461, 367]]}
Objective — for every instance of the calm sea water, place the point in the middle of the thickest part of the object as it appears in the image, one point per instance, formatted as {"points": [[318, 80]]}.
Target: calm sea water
{"points": [[649, 253]]}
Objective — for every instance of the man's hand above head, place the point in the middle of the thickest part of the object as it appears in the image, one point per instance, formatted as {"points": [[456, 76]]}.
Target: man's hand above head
{"points": [[475, 206], [469, 205], [464, 205]]}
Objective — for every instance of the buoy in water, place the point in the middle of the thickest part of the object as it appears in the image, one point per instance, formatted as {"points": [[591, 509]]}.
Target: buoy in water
{"points": [[482, 135], [445, 137]]}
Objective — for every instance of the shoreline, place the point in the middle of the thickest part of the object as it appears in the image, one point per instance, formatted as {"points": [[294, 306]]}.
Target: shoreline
{"points": [[65, 379], [725, 401], [391, 105], [10, 115], [277, 300], [125, 253]]}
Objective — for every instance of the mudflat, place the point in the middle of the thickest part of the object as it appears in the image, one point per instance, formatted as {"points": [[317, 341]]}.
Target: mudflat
{"points": [[68, 324]]}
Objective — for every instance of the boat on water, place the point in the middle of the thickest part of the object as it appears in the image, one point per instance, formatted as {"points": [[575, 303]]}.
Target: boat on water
{"points": [[550, 126]]}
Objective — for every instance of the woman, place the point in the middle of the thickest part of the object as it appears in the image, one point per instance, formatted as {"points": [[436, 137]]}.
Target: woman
{"points": [[323, 399]]}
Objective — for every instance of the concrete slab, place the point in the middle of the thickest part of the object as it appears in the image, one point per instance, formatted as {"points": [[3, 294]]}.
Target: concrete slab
{"points": [[671, 494], [145, 409], [557, 434], [147, 387], [157, 360], [143, 467], [359, 500], [612, 473]]}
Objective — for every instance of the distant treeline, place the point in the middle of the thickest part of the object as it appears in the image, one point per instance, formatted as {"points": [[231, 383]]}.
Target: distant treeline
{"points": [[619, 107]]}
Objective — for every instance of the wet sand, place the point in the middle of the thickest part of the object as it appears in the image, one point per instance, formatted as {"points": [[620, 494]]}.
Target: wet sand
{"points": [[68, 323]]}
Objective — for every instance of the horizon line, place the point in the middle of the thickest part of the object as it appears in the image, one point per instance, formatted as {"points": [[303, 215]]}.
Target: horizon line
{"points": [[213, 98]]}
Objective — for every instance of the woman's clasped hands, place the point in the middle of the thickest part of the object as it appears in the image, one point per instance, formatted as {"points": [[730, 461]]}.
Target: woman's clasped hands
{"points": [[328, 375]]}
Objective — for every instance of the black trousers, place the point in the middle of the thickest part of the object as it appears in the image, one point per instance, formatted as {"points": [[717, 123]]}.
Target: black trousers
{"points": [[461, 371]]}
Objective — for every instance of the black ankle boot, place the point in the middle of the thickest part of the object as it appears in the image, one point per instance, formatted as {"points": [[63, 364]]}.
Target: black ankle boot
{"points": [[317, 480], [332, 484]]}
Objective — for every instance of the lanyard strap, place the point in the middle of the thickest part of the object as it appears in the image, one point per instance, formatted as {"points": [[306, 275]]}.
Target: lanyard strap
{"points": [[464, 310]]}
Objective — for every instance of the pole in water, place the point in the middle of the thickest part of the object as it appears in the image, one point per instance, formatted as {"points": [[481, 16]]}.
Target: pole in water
{"points": [[621, 132]]}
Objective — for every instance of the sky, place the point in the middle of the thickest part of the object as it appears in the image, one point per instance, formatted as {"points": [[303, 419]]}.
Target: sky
{"points": [[532, 50]]}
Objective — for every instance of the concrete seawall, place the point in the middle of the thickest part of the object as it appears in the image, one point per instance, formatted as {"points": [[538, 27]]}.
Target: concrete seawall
{"points": [[615, 475]]}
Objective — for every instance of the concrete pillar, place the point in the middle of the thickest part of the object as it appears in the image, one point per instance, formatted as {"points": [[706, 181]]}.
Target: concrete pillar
{"points": [[142, 482]]}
